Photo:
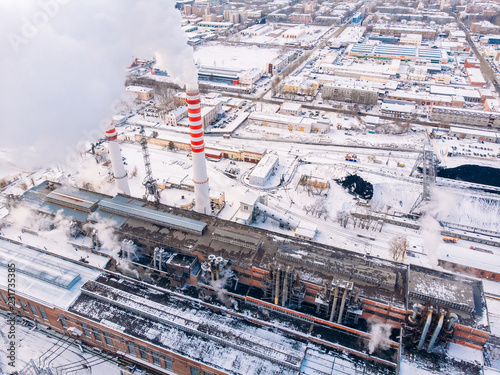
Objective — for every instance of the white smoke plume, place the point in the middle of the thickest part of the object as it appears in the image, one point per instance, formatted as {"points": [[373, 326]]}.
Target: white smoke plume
{"points": [[56, 229], [380, 334], [63, 65], [110, 243], [218, 286], [106, 235], [430, 230]]}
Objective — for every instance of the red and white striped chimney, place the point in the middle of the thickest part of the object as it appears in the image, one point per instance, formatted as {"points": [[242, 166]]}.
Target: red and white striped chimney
{"points": [[200, 178], [115, 155]]}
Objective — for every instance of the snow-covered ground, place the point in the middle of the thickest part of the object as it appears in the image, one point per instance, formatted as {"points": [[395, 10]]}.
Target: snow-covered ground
{"points": [[394, 190], [49, 352]]}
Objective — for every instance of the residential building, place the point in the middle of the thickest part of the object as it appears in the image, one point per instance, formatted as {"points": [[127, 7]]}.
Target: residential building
{"points": [[141, 93], [176, 115], [465, 116], [296, 86], [484, 27], [350, 93]]}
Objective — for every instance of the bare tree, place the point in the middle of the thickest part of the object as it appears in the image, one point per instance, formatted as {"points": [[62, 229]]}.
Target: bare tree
{"points": [[397, 248], [343, 218], [164, 99], [134, 172]]}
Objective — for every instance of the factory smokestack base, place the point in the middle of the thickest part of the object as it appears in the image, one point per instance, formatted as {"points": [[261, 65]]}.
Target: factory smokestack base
{"points": [[115, 156], [200, 178]]}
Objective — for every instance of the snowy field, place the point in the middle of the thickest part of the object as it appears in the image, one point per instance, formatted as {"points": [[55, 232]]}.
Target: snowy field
{"points": [[234, 57]]}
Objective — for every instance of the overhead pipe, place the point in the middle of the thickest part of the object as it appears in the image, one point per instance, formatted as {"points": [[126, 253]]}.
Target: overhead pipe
{"points": [[285, 287], [155, 256], [211, 262], [436, 332], [417, 308], [341, 311], [452, 319], [277, 292], [218, 266], [334, 305], [426, 328], [160, 261]]}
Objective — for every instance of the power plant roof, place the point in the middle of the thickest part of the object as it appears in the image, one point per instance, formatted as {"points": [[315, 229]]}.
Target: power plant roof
{"points": [[153, 216]]}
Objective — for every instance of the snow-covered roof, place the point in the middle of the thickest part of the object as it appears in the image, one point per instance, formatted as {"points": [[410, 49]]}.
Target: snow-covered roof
{"points": [[398, 107], [138, 89], [289, 106], [249, 198], [477, 132], [475, 75], [280, 119], [43, 277], [265, 165], [452, 91]]}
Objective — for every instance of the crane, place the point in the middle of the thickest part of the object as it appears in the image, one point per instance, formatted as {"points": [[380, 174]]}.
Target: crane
{"points": [[149, 182]]}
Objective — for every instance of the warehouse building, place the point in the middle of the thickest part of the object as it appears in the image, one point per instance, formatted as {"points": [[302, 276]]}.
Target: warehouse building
{"points": [[291, 109], [215, 74], [389, 51], [292, 123], [475, 77], [469, 95], [264, 170]]}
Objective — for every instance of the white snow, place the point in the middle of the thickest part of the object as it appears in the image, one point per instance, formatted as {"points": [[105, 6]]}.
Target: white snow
{"points": [[234, 57], [34, 344]]}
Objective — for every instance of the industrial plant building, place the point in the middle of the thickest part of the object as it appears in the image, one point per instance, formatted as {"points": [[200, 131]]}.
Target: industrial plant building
{"points": [[160, 310], [390, 51]]}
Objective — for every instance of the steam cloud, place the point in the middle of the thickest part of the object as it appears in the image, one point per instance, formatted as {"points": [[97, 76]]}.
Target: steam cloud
{"points": [[430, 229], [64, 64], [380, 334]]}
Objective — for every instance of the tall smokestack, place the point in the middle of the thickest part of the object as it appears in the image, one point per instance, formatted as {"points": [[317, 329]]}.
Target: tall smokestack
{"points": [[200, 178], [116, 160]]}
